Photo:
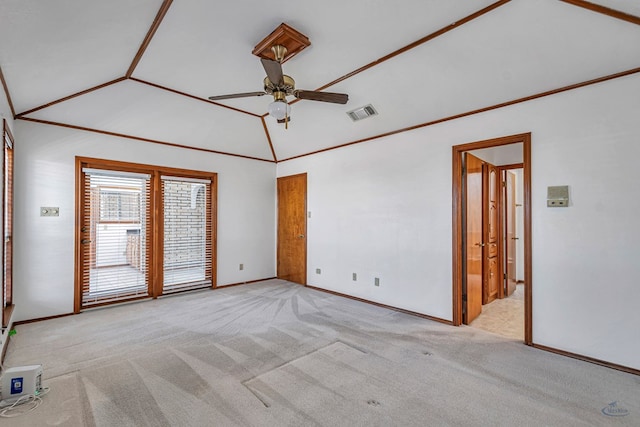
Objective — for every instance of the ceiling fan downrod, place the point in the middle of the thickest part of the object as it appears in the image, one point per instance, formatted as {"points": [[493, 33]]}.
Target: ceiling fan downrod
{"points": [[279, 52]]}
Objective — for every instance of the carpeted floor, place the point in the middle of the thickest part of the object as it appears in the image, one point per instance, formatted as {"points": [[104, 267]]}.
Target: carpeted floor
{"points": [[279, 354]]}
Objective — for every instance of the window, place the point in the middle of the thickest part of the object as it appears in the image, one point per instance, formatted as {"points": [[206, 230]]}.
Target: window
{"points": [[7, 215], [187, 223], [119, 204], [114, 235], [143, 231]]}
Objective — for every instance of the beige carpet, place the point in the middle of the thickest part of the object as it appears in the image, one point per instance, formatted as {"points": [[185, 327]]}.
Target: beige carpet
{"points": [[279, 354], [504, 316]]}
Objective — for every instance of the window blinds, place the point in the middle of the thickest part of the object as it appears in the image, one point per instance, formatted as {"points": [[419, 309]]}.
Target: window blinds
{"points": [[187, 228], [114, 236], [7, 254]]}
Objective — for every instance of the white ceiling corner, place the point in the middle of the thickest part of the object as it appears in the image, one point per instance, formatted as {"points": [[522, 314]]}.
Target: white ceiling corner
{"points": [[52, 49]]}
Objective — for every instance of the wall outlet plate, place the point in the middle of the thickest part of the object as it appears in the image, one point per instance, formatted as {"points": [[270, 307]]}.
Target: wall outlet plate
{"points": [[557, 203], [49, 211], [558, 196]]}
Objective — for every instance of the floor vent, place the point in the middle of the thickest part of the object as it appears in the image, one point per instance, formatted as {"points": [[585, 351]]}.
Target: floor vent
{"points": [[362, 113]]}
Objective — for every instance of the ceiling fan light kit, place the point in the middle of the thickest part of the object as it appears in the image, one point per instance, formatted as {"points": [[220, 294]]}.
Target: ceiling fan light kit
{"points": [[279, 109], [279, 46]]}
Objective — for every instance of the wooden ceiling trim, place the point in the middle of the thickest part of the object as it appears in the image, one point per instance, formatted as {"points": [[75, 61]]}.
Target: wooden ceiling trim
{"points": [[66, 98], [6, 93], [137, 138], [266, 132], [480, 110], [152, 31], [419, 42], [605, 11], [177, 92]]}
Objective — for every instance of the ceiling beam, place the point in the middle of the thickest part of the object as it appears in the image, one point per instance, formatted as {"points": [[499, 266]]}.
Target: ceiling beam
{"points": [[6, 93], [480, 110], [266, 131], [605, 10], [416, 43], [137, 138], [177, 92], [66, 98], [152, 31]]}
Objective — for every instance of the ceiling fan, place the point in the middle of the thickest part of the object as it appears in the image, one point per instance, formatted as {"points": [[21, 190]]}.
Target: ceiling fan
{"points": [[280, 86]]}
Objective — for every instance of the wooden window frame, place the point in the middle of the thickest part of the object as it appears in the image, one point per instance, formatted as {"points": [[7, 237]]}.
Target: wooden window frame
{"points": [[8, 143], [155, 242]]}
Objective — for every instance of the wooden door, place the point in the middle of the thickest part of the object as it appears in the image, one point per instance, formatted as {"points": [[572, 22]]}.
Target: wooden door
{"points": [[510, 232], [473, 237], [491, 266], [292, 228]]}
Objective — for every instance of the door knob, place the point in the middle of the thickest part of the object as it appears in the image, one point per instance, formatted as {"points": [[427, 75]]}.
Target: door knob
{"points": [[515, 238], [85, 241], [301, 236], [479, 244]]}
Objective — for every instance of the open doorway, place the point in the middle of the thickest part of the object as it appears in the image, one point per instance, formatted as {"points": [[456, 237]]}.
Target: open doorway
{"points": [[491, 189]]}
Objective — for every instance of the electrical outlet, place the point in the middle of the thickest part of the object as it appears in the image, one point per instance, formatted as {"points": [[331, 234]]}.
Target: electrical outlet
{"points": [[241, 266], [376, 281], [355, 277], [49, 211], [318, 271]]}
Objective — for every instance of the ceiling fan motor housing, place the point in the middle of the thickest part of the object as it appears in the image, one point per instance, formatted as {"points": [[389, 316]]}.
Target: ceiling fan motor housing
{"points": [[287, 86]]}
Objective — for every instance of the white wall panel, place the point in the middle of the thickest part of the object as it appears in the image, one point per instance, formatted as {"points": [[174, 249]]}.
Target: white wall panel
{"points": [[384, 208], [45, 176]]}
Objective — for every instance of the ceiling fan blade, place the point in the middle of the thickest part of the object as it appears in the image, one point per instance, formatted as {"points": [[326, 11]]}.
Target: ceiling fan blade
{"points": [[274, 71], [236, 95], [336, 98]]}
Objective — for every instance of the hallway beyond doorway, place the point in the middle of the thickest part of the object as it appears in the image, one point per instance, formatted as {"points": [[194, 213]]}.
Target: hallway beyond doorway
{"points": [[504, 316]]}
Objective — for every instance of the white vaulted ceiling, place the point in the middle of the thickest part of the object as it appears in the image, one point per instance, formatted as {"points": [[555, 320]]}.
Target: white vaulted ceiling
{"points": [[76, 63]]}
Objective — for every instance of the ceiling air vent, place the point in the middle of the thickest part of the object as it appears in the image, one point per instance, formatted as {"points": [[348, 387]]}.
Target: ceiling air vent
{"points": [[362, 113]]}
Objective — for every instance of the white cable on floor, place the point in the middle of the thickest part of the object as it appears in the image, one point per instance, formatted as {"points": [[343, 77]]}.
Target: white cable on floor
{"points": [[19, 407]]}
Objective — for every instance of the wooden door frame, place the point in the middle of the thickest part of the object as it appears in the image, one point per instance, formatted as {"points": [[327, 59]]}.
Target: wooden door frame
{"points": [[457, 207], [155, 233]]}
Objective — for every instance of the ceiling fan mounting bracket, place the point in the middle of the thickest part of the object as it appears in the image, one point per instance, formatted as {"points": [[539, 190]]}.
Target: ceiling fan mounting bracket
{"points": [[286, 36], [279, 52]]}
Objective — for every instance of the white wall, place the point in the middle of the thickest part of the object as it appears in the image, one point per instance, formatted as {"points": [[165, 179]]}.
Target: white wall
{"points": [[45, 176], [383, 209]]}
